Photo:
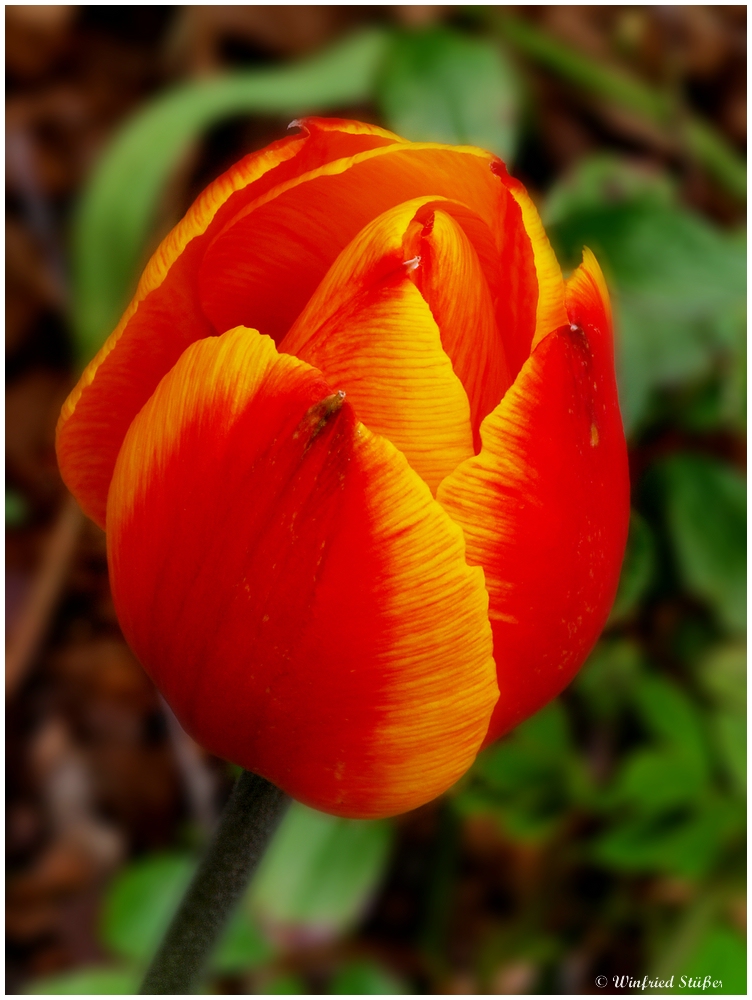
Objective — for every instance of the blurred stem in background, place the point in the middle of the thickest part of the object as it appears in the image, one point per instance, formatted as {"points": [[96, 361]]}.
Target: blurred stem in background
{"points": [[699, 138], [439, 898]]}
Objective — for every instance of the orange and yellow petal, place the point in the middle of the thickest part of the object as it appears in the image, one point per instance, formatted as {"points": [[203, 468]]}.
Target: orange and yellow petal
{"points": [[371, 333], [452, 281], [550, 305], [544, 507], [270, 258], [256, 244], [165, 315], [293, 588]]}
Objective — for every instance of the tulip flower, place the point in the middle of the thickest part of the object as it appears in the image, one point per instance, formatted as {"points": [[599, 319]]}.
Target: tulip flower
{"points": [[357, 448]]}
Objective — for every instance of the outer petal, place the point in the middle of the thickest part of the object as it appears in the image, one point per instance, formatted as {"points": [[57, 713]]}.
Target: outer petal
{"points": [[292, 587], [545, 505], [165, 315]]}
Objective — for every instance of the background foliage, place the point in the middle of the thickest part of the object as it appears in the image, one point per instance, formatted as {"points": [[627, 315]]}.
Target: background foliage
{"points": [[606, 834]]}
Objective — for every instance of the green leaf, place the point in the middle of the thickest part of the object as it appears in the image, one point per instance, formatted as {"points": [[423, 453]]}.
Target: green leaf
{"points": [[366, 977], [684, 845], [16, 509], [141, 902], [536, 752], [669, 714], [438, 85], [601, 182], [529, 779], [114, 218], [95, 979], [723, 675], [242, 947], [722, 955], [679, 283], [637, 570], [285, 983], [654, 781], [320, 872], [706, 519], [730, 733]]}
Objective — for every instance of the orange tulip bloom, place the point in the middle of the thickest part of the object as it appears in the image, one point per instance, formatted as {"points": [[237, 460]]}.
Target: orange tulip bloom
{"points": [[358, 450]]}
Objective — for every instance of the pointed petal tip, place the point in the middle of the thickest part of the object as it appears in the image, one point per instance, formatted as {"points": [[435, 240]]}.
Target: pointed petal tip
{"points": [[587, 293]]}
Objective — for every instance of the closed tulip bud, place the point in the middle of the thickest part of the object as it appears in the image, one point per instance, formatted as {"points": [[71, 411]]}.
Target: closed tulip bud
{"points": [[358, 452]]}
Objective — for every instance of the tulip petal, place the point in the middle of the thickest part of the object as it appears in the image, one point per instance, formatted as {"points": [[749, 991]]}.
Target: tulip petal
{"points": [[165, 315], [255, 245], [545, 505], [292, 587], [550, 306], [270, 258], [451, 279], [371, 333]]}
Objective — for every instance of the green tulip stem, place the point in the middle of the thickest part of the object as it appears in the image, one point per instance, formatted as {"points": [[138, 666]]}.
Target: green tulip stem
{"points": [[245, 828]]}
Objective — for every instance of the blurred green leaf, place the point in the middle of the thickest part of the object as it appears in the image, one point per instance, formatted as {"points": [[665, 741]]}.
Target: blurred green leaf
{"points": [[679, 283], [637, 569], [285, 983], [723, 675], [706, 519], [141, 902], [654, 781], [692, 942], [438, 85], [95, 979], [113, 220], [730, 732], [242, 947], [601, 182], [528, 779], [722, 955], [320, 871], [683, 844], [669, 714], [609, 676], [535, 750], [366, 977], [144, 897], [666, 816], [16, 509]]}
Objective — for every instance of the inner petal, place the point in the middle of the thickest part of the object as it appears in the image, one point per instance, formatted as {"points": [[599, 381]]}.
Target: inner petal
{"points": [[452, 281], [267, 261], [371, 333]]}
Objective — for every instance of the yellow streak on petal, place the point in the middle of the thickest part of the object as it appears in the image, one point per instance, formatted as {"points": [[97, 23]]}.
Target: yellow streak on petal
{"points": [[438, 657], [234, 366]]}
